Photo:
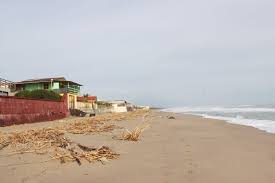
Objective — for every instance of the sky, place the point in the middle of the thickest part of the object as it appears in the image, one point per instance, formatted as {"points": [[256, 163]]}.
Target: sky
{"points": [[150, 52]]}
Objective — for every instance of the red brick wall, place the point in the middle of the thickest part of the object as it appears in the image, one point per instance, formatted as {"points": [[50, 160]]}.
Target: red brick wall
{"points": [[90, 99], [20, 110]]}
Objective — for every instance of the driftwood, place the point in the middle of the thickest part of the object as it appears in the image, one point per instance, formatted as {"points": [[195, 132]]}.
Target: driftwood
{"points": [[4, 144], [53, 142], [171, 117], [85, 148], [74, 155]]}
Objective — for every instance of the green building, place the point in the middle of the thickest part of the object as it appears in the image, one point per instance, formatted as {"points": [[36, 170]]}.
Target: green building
{"points": [[59, 85]]}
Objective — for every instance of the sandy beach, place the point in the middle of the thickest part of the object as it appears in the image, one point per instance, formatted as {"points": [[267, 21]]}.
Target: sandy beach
{"points": [[186, 149]]}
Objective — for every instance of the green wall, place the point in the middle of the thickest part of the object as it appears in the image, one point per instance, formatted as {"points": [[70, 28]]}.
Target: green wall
{"points": [[35, 86], [40, 86]]}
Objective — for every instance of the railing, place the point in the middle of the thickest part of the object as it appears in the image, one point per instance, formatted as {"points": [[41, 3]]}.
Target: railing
{"points": [[67, 89]]}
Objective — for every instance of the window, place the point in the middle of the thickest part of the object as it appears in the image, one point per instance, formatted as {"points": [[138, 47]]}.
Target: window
{"points": [[2, 93], [46, 86]]}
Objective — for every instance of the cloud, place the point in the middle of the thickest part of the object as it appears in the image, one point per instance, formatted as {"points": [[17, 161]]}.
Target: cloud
{"points": [[157, 52]]}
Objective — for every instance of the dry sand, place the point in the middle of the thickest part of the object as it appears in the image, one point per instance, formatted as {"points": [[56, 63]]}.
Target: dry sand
{"points": [[187, 149]]}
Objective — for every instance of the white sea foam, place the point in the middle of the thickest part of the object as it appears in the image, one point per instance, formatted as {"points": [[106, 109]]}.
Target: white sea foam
{"points": [[220, 109], [266, 125]]}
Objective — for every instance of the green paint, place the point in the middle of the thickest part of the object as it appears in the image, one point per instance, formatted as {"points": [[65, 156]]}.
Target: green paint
{"points": [[34, 86], [56, 86]]}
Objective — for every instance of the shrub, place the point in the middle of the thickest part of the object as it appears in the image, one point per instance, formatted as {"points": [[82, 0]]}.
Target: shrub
{"points": [[25, 94], [39, 94]]}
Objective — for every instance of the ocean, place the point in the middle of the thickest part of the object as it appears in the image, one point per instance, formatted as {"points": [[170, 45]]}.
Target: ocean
{"points": [[261, 117]]}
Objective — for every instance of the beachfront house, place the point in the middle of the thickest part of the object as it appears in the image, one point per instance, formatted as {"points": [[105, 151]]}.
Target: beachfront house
{"points": [[87, 104], [119, 106], [59, 85], [116, 106]]}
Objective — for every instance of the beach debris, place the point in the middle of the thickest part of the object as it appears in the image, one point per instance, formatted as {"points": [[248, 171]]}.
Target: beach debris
{"points": [[88, 127], [171, 117], [77, 154], [85, 148], [80, 113], [77, 112], [133, 135], [54, 143], [98, 124], [4, 144], [121, 116]]}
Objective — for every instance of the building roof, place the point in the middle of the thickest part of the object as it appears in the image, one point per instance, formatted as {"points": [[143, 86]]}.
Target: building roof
{"points": [[87, 99], [114, 101], [5, 83], [46, 80]]}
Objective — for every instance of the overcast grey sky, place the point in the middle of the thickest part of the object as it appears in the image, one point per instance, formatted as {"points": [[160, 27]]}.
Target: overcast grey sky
{"points": [[162, 52]]}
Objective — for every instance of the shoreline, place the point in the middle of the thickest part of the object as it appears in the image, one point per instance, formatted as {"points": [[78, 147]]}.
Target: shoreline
{"points": [[187, 149], [255, 123], [225, 121]]}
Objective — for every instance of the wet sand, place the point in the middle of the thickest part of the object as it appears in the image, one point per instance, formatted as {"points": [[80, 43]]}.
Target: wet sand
{"points": [[186, 149]]}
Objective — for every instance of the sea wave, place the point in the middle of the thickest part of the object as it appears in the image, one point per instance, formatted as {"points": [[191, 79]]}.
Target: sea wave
{"points": [[220, 109], [266, 125]]}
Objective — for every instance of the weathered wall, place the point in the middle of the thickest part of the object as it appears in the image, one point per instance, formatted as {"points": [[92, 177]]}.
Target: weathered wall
{"points": [[20, 110], [87, 107]]}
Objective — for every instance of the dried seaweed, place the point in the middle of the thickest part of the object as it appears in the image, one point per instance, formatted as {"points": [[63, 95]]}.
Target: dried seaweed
{"points": [[121, 116], [52, 141], [88, 127], [133, 135], [98, 124]]}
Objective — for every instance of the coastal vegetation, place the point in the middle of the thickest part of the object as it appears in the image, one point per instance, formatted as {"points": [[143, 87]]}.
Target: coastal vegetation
{"points": [[39, 94]]}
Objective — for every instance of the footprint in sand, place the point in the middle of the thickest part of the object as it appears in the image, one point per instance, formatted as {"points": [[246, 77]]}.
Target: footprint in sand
{"points": [[25, 179], [189, 164]]}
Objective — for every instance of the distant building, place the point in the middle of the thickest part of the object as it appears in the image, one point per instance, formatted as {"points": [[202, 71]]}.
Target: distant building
{"points": [[5, 87], [88, 99], [59, 85], [4, 91], [116, 106], [119, 106], [87, 104]]}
